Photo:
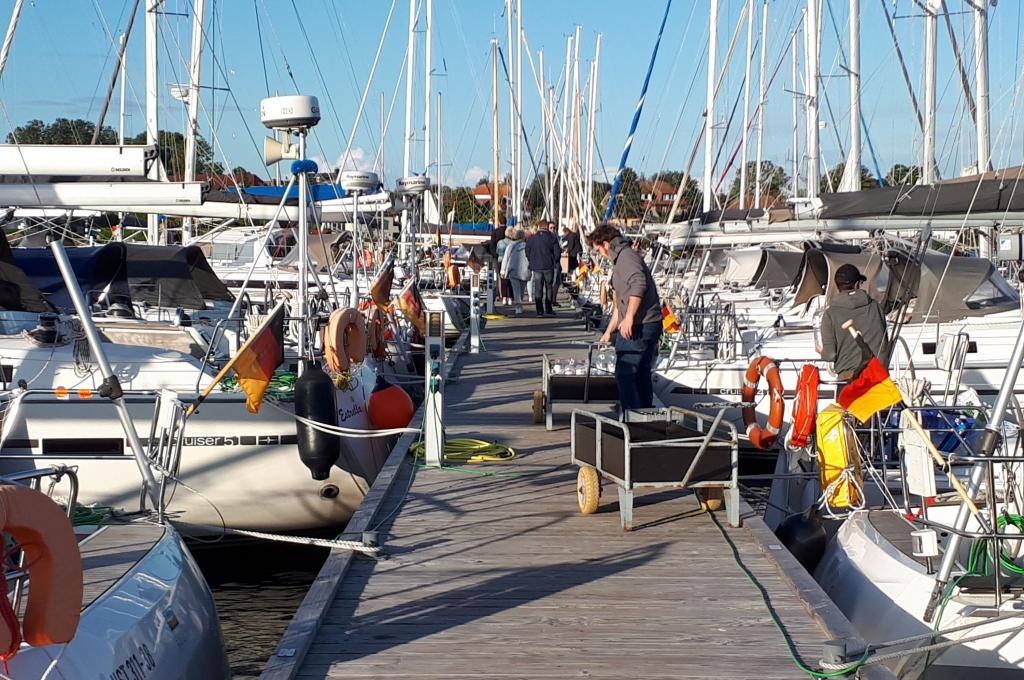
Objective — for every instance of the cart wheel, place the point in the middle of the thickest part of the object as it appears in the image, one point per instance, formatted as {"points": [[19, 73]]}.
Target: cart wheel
{"points": [[588, 490], [538, 407], [710, 498]]}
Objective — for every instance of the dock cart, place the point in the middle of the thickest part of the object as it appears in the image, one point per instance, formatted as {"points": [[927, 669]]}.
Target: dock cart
{"points": [[658, 448], [567, 382]]}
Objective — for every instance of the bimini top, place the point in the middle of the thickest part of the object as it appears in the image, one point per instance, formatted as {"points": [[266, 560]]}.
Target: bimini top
{"points": [[101, 271], [761, 267], [17, 291], [942, 287], [817, 273], [173, 276]]}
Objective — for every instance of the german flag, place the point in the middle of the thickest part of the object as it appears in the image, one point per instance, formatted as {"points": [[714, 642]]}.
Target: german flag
{"points": [[380, 289], [410, 304], [872, 390], [254, 362], [669, 322]]}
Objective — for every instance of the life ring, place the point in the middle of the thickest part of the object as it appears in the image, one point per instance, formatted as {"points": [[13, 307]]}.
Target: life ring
{"points": [[805, 407], [763, 438], [345, 343], [54, 566], [375, 327]]}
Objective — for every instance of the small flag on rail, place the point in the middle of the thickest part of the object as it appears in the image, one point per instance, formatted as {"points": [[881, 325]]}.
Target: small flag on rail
{"points": [[380, 289], [254, 362], [872, 390], [669, 321], [410, 304]]}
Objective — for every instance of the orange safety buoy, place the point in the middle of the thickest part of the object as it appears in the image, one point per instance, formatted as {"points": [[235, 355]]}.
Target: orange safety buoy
{"points": [[805, 406], [345, 342], [763, 438], [389, 406], [376, 323], [43, 531]]}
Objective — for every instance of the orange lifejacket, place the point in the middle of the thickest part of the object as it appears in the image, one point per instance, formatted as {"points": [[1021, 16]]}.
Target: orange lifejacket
{"points": [[805, 406], [54, 567], [454, 276], [763, 438]]}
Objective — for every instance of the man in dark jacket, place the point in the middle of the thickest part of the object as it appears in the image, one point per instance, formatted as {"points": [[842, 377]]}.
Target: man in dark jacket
{"points": [[543, 254], [573, 249], [497, 234], [851, 304], [636, 318]]}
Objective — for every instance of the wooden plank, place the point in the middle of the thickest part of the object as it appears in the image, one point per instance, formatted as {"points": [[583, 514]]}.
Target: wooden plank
{"points": [[492, 570]]}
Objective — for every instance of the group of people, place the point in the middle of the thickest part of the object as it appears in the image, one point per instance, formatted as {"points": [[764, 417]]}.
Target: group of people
{"points": [[533, 256]]}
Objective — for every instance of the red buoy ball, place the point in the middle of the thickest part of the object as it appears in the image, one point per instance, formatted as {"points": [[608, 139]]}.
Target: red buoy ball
{"points": [[389, 406]]}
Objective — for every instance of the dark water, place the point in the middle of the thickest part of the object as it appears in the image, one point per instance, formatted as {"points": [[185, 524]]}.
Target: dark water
{"points": [[257, 588]]}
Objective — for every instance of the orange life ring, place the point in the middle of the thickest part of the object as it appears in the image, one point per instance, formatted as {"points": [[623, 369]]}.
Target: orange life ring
{"points": [[763, 438], [345, 342], [375, 326], [805, 406], [54, 566]]}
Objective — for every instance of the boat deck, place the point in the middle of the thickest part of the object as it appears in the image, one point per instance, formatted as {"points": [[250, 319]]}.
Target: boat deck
{"points": [[500, 576]]}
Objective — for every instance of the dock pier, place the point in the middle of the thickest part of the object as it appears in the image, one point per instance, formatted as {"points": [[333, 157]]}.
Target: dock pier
{"points": [[491, 570]]}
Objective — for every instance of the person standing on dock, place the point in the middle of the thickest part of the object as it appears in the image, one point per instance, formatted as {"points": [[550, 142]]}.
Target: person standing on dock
{"points": [[573, 249], [515, 268], [543, 252], [635, 325], [851, 304]]}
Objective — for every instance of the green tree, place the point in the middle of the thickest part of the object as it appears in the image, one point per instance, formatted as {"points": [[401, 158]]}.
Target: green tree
{"points": [[867, 180], [534, 199], [60, 131], [774, 181], [172, 153], [903, 175], [628, 203], [467, 210]]}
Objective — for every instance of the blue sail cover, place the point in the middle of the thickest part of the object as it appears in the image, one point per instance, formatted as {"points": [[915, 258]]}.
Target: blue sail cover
{"points": [[318, 192]]}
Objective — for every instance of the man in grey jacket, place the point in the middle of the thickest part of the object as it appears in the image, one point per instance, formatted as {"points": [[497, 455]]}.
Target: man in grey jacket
{"points": [[636, 318], [852, 304]]}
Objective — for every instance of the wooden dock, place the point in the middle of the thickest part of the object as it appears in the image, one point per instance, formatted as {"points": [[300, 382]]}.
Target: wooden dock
{"points": [[500, 576]]}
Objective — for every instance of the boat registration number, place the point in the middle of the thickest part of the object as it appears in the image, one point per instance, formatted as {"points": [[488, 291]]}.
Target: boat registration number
{"points": [[136, 666]]}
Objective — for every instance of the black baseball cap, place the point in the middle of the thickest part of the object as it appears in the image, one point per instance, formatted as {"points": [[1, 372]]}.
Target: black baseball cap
{"points": [[848, 275]]}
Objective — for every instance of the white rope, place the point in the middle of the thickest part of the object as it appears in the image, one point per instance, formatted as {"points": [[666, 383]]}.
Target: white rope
{"points": [[343, 431], [850, 478], [333, 543]]}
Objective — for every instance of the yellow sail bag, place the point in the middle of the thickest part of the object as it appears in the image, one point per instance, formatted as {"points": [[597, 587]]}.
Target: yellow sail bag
{"points": [[839, 465]]}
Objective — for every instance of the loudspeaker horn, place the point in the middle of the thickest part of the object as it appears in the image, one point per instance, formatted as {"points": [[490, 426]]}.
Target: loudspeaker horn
{"points": [[274, 151]]}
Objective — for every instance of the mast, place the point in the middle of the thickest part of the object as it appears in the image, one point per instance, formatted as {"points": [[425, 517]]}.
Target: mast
{"points": [[813, 66], [410, 63], [709, 112], [796, 115], [121, 104], [981, 77], [746, 104], [519, 108], [851, 176], [195, 69], [592, 124], [152, 105], [931, 20], [495, 143], [426, 90], [563, 162], [9, 36], [760, 105], [513, 196], [542, 94], [573, 141], [440, 175]]}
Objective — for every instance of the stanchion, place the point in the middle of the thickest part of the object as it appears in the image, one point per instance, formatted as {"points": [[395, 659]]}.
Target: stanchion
{"points": [[489, 290], [474, 313]]}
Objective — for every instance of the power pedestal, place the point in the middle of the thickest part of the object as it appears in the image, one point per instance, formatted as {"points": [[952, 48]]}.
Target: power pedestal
{"points": [[474, 312], [433, 403]]}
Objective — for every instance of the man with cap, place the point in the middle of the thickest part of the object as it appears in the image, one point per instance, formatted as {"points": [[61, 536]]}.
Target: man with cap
{"points": [[850, 303]]}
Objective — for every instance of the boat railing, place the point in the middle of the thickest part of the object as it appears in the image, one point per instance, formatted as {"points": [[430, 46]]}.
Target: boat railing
{"points": [[18, 576], [954, 430], [706, 331]]}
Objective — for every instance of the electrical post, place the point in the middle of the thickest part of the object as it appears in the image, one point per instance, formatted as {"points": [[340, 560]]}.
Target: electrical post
{"points": [[489, 290], [474, 313], [433, 402]]}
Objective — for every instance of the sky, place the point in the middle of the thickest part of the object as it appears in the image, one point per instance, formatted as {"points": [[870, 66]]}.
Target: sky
{"points": [[64, 53]]}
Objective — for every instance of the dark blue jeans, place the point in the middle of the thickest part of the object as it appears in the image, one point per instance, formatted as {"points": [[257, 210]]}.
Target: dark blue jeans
{"points": [[633, 360], [544, 289]]}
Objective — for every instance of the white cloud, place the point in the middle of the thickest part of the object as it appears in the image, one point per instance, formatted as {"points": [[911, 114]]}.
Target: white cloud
{"points": [[474, 175], [357, 159]]}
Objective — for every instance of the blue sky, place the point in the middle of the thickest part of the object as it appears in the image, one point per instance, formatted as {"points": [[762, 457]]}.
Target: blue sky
{"points": [[62, 59]]}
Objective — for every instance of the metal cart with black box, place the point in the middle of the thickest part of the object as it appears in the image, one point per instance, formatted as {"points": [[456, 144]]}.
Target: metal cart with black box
{"points": [[592, 386], [656, 448]]}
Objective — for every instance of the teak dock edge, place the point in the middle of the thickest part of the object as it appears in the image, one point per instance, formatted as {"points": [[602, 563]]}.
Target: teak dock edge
{"points": [[501, 577]]}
